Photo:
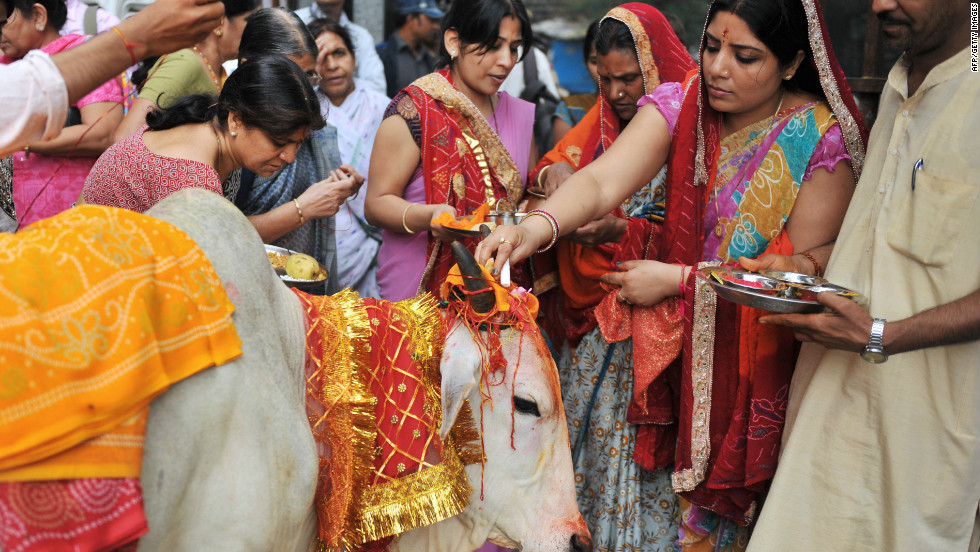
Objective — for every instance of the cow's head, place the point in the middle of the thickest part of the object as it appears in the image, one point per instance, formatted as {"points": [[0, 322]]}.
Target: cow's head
{"points": [[525, 491]]}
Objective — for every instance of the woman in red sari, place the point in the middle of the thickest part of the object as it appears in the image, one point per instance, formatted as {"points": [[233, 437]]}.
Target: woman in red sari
{"points": [[637, 52], [762, 149], [449, 144]]}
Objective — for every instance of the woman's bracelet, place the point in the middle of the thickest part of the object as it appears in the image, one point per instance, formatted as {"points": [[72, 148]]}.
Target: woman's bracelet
{"points": [[128, 44], [302, 221], [817, 269], [540, 174], [555, 229], [404, 222], [682, 288]]}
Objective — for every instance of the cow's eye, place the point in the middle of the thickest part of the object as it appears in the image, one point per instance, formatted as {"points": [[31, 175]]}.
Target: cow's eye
{"points": [[526, 406]]}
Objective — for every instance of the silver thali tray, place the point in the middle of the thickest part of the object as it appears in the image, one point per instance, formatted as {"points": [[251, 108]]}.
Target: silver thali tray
{"points": [[774, 291], [303, 285]]}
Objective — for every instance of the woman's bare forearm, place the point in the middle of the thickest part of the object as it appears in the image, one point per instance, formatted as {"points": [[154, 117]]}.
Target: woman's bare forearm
{"points": [[162, 27]]}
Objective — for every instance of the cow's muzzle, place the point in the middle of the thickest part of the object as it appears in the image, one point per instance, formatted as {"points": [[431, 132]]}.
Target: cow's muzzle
{"points": [[581, 543]]}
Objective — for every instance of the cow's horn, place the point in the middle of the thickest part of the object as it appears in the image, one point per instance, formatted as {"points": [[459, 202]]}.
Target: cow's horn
{"points": [[480, 291]]}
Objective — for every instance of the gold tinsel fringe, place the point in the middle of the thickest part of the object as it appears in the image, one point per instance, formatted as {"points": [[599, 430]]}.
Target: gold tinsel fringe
{"points": [[428, 336], [428, 327], [362, 399], [349, 418], [419, 499]]}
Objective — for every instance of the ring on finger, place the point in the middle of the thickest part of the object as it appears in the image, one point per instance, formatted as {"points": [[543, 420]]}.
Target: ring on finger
{"points": [[504, 240], [624, 299]]}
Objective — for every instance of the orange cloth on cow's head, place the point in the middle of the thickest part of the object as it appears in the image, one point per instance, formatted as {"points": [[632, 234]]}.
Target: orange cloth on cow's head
{"points": [[102, 310], [515, 300]]}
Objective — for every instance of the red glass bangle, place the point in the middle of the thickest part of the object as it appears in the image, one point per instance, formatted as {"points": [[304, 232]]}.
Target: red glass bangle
{"points": [[555, 230]]}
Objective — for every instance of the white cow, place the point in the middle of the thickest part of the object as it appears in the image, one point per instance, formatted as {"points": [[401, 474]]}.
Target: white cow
{"points": [[230, 462]]}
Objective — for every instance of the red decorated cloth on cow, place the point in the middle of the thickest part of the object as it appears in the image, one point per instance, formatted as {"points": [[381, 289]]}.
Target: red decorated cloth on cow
{"points": [[103, 309], [373, 396]]}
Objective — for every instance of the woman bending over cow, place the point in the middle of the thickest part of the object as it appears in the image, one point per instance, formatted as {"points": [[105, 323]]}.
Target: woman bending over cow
{"points": [[762, 148], [266, 108], [297, 207]]}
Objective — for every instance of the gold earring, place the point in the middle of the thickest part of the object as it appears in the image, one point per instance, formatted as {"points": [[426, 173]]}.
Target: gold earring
{"points": [[218, 33]]}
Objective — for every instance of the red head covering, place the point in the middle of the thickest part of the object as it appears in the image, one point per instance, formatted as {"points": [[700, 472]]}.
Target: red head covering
{"points": [[662, 58], [660, 53]]}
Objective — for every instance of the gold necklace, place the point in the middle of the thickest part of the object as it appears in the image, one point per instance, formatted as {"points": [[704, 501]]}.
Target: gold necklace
{"points": [[719, 227], [214, 77]]}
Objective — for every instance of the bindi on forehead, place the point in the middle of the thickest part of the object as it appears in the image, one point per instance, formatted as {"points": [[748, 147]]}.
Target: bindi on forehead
{"points": [[724, 34]]}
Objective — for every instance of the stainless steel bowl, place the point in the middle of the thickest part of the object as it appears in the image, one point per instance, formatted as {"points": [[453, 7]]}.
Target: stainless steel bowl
{"points": [[505, 218]]}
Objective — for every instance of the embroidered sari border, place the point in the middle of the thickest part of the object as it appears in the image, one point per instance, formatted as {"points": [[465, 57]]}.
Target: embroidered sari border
{"points": [[702, 370]]}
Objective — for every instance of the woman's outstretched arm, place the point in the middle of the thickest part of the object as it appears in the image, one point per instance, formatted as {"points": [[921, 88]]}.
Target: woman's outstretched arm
{"points": [[633, 160]]}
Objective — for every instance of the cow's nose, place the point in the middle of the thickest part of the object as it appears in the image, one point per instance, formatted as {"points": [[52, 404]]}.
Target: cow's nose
{"points": [[581, 543]]}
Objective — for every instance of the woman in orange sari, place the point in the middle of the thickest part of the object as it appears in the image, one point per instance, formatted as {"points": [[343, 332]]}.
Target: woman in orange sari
{"points": [[637, 53], [762, 149]]}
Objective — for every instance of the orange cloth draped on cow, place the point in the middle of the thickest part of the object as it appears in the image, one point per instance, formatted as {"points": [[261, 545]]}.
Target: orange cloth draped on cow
{"points": [[662, 58], [102, 310], [373, 396]]}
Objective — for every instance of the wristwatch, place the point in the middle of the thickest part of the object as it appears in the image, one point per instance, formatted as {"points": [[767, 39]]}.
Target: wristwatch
{"points": [[874, 352]]}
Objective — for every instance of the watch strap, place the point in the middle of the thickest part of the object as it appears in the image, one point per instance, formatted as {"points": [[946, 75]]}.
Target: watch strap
{"points": [[876, 340]]}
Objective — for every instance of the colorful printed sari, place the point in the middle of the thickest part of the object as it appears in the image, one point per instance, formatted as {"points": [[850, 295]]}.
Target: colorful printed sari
{"points": [[725, 198], [626, 507]]}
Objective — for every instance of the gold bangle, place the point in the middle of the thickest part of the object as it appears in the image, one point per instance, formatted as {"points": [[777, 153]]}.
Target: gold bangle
{"points": [[302, 221], [540, 174], [404, 223]]}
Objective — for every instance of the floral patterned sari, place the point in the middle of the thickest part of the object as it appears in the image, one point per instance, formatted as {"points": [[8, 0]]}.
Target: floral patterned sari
{"points": [[728, 197]]}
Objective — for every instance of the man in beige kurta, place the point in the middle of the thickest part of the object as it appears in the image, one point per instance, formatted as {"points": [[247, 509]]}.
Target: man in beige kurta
{"points": [[886, 457]]}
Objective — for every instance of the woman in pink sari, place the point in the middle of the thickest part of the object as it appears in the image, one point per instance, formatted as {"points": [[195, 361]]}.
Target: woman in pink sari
{"points": [[48, 176], [449, 144], [762, 149]]}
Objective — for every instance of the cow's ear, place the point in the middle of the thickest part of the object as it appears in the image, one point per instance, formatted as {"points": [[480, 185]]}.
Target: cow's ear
{"points": [[460, 372]]}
